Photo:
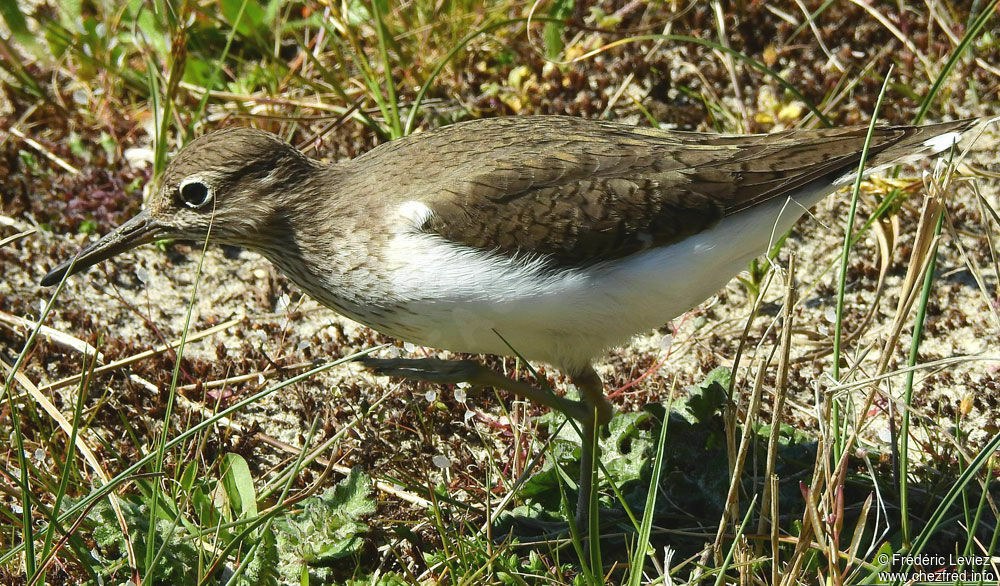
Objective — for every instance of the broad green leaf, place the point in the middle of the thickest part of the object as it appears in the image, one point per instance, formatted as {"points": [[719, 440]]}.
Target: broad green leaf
{"points": [[238, 484], [18, 25], [553, 30], [189, 475], [252, 20]]}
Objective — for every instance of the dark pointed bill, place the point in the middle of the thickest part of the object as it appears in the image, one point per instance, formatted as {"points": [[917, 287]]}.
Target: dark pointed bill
{"points": [[139, 230]]}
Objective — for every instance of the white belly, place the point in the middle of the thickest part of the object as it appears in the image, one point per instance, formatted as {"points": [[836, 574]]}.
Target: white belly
{"points": [[568, 318]]}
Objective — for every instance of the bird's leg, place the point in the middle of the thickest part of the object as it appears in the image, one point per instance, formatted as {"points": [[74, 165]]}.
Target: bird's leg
{"points": [[591, 389], [592, 411], [468, 371]]}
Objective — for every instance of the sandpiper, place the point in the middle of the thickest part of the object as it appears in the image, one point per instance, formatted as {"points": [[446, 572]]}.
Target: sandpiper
{"points": [[554, 237]]}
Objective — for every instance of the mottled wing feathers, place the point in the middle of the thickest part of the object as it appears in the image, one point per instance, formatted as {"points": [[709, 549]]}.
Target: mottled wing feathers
{"points": [[578, 222], [578, 192]]}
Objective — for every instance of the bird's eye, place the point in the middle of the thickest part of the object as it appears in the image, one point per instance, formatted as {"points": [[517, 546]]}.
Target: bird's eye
{"points": [[194, 193]]}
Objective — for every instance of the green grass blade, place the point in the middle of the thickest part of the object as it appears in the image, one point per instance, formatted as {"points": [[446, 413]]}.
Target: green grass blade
{"points": [[168, 411], [128, 473], [721, 576], [845, 254], [939, 514], [390, 83], [642, 546], [811, 17], [27, 533], [904, 427], [67, 468], [970, 35], [594, 513], [980, 509]]}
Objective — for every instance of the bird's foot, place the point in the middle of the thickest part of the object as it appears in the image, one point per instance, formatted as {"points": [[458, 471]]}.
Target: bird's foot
{"points": [[453, 372]]}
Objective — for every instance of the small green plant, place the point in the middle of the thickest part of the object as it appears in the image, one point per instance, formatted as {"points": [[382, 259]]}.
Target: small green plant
{"points": [[177, 563], [705, 400], [327, 528], [472, 557], [262, 567]]}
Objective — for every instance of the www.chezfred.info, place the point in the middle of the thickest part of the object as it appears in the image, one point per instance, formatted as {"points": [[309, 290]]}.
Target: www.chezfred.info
{"points": [[939, 568]]}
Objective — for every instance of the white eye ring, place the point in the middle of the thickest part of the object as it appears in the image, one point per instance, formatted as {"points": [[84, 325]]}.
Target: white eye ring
{"points": [[194, 192]]}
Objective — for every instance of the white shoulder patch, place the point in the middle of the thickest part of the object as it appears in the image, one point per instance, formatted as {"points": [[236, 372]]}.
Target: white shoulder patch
{"points": [[415, 213]]}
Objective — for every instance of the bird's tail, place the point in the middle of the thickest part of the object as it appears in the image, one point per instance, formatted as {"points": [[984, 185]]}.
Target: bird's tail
{"points": [[915, 143]]}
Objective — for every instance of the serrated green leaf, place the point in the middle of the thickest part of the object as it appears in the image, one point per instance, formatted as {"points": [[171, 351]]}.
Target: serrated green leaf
{"points": [[626, 449], [179, 560], [326, 528], [262, 568], [705, 399], [351, 495]]}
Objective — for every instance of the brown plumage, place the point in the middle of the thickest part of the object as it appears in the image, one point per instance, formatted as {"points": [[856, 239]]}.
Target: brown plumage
{"points": [[579, 191]]}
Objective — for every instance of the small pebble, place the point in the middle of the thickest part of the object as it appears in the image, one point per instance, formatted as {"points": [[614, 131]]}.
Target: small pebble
{"points": [[139, 157], [441, 461], [282, 304]]}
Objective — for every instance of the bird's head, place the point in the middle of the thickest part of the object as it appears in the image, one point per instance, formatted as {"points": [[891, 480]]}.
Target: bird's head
{"points": [[227, 185]]}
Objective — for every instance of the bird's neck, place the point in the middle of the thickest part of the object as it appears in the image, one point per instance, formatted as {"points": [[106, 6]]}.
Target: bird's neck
{"points": [[319, 239]]}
